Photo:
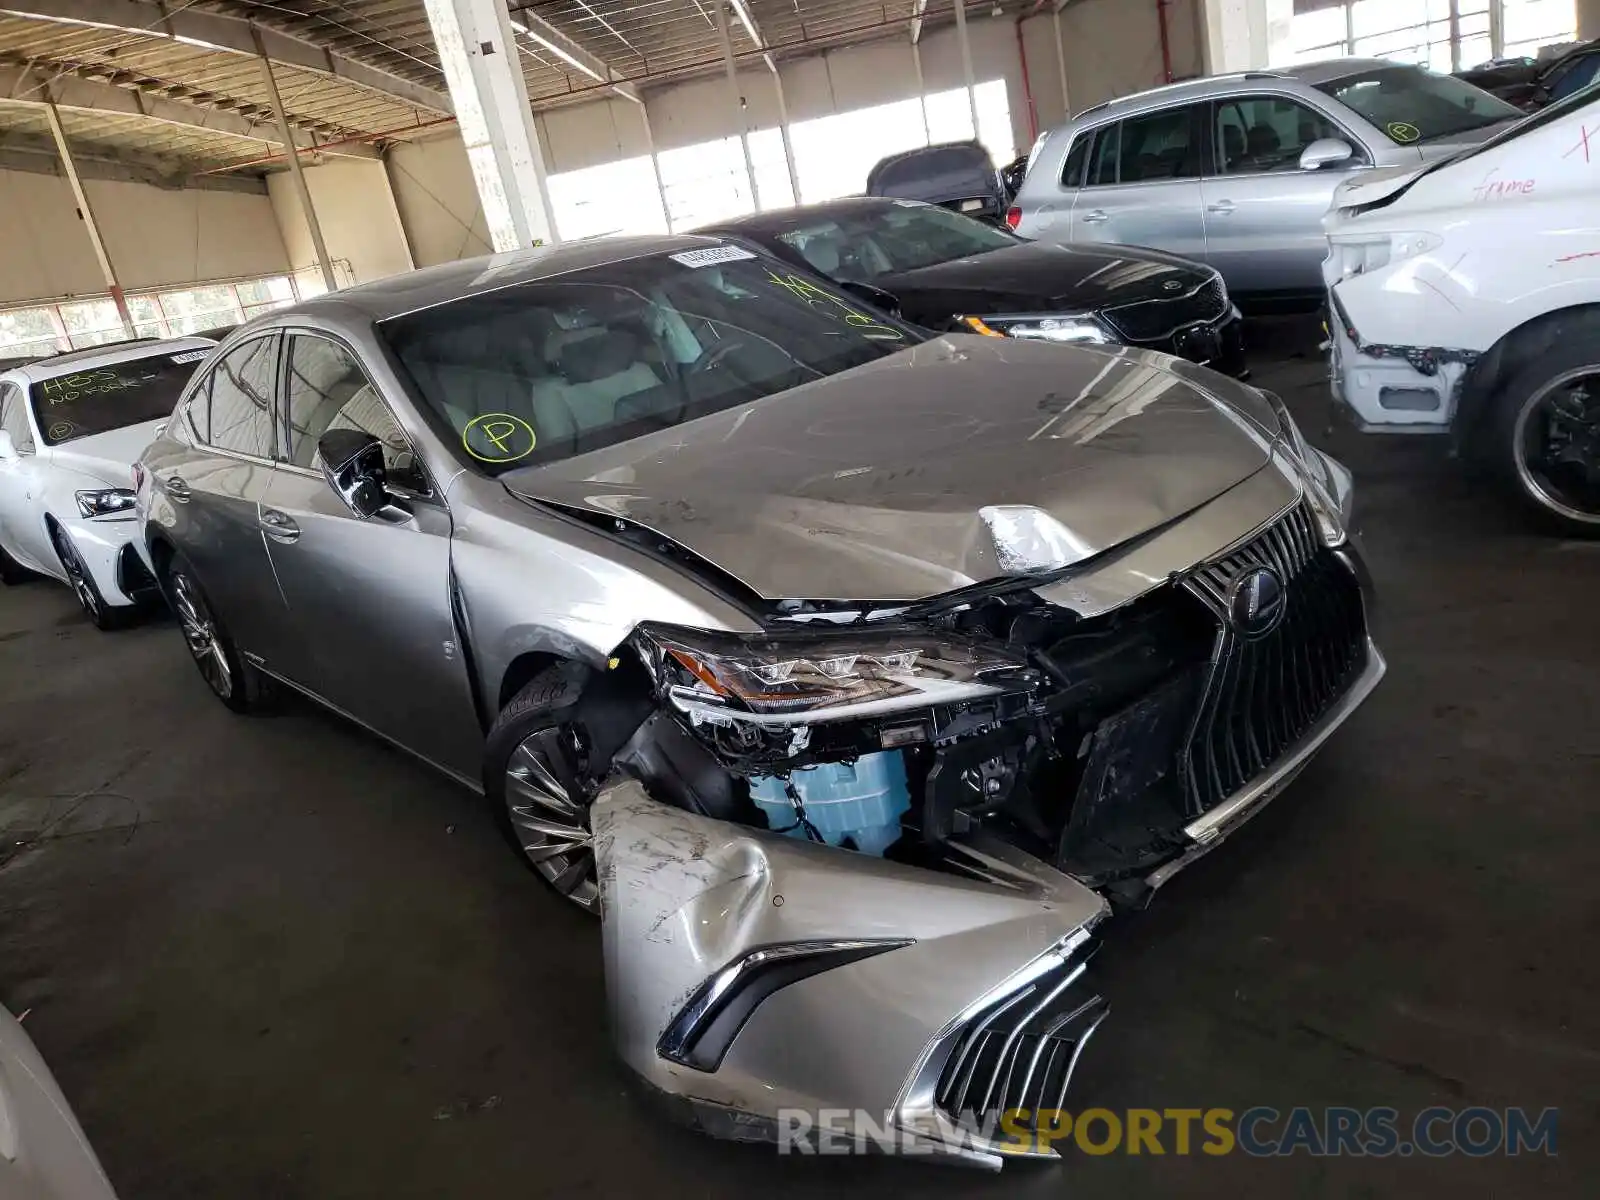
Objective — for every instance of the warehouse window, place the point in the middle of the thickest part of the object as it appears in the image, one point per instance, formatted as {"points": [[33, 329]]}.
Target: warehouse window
{"points": [[1419, 31], [617, 197], [178, 312]]}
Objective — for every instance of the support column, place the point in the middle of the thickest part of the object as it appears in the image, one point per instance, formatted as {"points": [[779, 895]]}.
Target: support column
{"points": [[1588, 19], [89, 223], [479, 55], [783, 131], [1061, 63], [655, 163], [966, 62], [922, 92], [1244, 35], [1350, 26], [291, 153], [738, 99]]}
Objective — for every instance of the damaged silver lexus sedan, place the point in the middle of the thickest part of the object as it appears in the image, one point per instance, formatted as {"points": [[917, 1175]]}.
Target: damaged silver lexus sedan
{"points": [[849, 673]]}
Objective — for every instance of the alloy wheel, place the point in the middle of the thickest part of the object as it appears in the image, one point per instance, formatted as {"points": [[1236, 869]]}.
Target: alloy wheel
{"points": [[1556, 443], [78, 576], [200, 631], [548, 810]]}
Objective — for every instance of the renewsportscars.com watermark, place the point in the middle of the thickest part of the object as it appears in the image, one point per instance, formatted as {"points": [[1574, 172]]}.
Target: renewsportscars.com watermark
{"points": [[1259, 1132]]}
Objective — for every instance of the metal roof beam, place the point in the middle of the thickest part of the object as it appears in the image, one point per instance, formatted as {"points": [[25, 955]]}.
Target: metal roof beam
{"points": [[110, 90], [233, 34], [741, 9], [918, 11], [570, 51]]}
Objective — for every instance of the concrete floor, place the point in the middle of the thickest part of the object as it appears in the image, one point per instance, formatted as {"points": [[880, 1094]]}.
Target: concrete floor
{"points": [[271, 957]]}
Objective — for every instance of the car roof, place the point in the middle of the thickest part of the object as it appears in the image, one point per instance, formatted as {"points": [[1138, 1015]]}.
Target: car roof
{"points": [[780, 219], [414, 291], [1312, 74], [106, 355]]}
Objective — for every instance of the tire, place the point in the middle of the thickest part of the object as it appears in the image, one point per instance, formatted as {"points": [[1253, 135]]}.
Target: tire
{"points": [[1553, 399], [102, 615], [11, 571], [226, 674], [536, 777]]}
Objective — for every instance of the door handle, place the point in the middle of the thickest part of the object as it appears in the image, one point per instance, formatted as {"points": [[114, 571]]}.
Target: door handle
{"points": [[178, 489], [1095, 216], [1221, 207], [278, 526]]}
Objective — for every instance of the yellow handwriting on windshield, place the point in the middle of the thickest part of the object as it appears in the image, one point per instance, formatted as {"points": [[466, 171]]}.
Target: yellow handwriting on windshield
{"points": [[817, 297]]}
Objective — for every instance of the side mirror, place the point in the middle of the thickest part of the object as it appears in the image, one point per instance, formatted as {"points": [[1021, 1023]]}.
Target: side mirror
{"points": [[8, 448], [352, 463], [1324, 151], [875, 296]]}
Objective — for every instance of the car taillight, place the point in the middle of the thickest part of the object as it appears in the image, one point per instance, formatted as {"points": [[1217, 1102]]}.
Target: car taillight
{"points": [[1013, 216]]}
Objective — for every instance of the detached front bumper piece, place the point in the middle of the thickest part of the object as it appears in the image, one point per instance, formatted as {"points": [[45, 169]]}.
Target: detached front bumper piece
{"points": [[758, 980]]}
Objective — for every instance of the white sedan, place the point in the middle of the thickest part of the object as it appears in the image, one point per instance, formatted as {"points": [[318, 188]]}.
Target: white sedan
{"points": [[43, 1153], [71, 426]]}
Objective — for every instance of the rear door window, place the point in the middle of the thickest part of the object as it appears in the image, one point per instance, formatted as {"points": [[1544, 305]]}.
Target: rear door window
{"points": [[242, 388], [1103, 157], [1077, 159]]}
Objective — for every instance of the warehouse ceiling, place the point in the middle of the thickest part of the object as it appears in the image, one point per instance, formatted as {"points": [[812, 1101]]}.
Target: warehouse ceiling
{"points": [[176, 89]]}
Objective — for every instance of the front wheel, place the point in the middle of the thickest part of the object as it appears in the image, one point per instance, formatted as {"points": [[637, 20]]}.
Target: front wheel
{"points": [[101, 614], [1546, 434], [536, 773], [209, 645], [11, 571]]}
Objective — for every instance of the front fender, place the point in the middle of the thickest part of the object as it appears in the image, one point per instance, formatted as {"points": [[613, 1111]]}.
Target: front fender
{"points": [[912, 960]]}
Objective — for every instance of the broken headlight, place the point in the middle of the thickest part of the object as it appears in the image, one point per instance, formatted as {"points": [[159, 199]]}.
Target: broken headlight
{"points": [[820, 677], [1328, 495]]}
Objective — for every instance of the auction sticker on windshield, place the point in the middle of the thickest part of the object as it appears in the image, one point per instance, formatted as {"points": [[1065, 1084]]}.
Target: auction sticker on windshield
{"points": [[189, 356], [711, 255]]}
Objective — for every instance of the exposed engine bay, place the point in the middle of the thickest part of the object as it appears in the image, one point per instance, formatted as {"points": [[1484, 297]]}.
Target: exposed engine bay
{"points": [[1088, 744]]}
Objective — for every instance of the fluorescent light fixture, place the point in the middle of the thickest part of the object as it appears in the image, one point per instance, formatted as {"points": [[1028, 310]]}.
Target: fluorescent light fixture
{"points": [[189, 41], [564, 55]]}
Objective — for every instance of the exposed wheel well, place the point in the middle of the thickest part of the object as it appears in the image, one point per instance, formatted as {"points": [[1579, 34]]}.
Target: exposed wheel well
{"points": [[523, 668], [1506, 358]]}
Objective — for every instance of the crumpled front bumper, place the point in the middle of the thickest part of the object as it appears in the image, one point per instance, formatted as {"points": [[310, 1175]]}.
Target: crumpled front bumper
{"points": [[760, 980]]}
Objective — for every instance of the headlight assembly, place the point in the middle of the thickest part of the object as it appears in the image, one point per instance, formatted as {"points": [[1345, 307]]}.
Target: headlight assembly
{"points": [[1057, 328], [1322, 490], [105, 502], [806, 677]]}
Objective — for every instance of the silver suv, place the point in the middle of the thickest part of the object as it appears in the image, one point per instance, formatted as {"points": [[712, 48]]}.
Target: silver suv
{"points": [[1238, 170]]}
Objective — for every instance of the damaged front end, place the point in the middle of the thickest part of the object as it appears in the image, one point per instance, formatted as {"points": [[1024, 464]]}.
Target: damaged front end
{"points": [[855, 860]]}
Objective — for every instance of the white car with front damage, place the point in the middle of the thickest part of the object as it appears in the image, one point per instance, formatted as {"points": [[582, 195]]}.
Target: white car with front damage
{"points": [[71, 426], [1464, 297]]}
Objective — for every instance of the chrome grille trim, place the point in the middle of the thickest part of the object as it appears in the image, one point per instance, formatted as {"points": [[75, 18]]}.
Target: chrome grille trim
{"points": [[1157, 320], [1262, 696]]}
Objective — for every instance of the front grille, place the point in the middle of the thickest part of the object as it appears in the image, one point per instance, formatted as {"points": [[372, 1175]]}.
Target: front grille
{"points": [[1264, 694], [1156, 320], [1020, 1051]]}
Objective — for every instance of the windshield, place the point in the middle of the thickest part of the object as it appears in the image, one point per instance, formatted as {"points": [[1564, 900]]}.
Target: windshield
{"points": [[861, 246], [99, 399], [1411, 105], [546, 370], [1522, 128]]}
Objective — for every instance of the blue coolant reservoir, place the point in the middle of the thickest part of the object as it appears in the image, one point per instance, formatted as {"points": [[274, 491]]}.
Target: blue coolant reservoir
{"points": [[861, 801]]}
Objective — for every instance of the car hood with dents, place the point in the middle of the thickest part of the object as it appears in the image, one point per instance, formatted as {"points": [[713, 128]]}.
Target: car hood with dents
{"points": [[1038, 277], [110, 455], [890, 481]]}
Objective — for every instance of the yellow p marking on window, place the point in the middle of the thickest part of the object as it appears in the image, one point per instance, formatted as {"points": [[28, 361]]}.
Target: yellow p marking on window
{"points": [[511, 437]]}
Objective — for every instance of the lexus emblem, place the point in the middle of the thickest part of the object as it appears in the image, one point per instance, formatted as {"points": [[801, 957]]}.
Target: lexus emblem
{"points": [[1172, 285], [1257, 600]]}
